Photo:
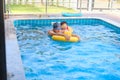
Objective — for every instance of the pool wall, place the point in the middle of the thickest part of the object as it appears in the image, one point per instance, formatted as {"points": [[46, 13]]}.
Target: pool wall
{"points": [[83, 21]]}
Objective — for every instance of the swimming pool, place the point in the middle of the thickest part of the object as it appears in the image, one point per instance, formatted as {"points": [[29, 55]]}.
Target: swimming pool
{"points": [[95, 57]]}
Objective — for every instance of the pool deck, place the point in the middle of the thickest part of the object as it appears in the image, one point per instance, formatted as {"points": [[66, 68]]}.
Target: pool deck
{"points": [[14, 63], [15, 69]]}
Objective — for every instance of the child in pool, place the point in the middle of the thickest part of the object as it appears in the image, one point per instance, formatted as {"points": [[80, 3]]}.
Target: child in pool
{"points": [[57, 31], [66, 29]]}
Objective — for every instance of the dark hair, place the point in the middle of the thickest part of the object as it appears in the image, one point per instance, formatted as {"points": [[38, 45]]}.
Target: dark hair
{"points": [[55, 25], [63, 22]]}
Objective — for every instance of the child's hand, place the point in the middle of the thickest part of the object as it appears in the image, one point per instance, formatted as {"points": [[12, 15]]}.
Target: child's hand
{"points": [[67, 37]]}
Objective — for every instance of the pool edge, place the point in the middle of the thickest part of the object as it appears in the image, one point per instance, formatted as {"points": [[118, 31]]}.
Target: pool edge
{"points": [[15, 70]]}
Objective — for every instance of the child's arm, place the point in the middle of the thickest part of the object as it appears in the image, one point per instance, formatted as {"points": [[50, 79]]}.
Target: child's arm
{"points": [[51, 33], [61, 34], [62, 31]]}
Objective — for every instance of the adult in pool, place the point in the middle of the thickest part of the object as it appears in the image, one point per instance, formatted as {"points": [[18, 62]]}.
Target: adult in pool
{"points": [[57, 31]]}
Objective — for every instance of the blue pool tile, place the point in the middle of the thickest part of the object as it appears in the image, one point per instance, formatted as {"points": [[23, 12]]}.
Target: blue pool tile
{"points": [[42, 22]]}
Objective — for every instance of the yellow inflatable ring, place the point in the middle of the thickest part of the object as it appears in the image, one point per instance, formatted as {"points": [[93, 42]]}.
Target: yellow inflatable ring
{"points": [[62, 38]]}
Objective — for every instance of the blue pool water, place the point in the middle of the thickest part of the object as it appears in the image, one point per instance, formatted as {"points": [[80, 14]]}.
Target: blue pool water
{"points": [[95, 57]]}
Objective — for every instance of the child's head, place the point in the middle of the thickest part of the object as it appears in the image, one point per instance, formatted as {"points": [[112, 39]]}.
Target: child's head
{"points": [[64, 25], [56, 27]]}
